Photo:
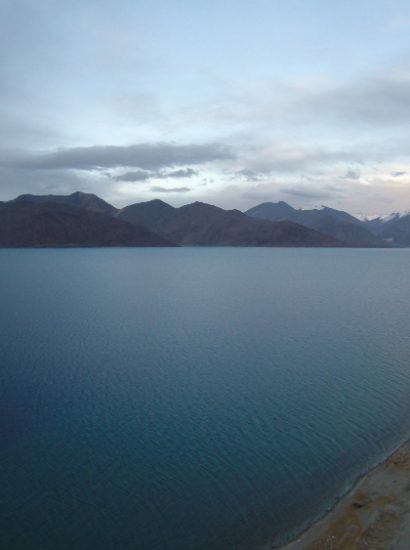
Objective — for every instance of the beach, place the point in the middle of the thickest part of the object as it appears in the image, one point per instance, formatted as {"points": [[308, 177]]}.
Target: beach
{"points": [[375, 514]]}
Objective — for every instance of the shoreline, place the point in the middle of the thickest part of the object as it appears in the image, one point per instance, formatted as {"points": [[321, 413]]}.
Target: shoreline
{"points": [[374, 513]]}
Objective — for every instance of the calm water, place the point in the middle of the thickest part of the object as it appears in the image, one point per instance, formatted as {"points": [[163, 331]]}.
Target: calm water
{"points": [[197, 398]]}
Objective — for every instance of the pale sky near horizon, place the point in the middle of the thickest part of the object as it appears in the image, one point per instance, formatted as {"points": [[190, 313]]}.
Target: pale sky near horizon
{"points": [[228, 102]]}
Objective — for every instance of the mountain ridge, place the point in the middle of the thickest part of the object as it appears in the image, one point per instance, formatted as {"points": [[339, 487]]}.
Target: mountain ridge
{"points": [[87, 201], [43, 224], [336, 223], [202, 224], [394, 228]]}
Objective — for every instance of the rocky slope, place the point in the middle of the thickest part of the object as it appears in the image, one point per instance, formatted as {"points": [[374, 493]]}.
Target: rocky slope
{"points": [[335, 223], [27, 224], [207, 225]]}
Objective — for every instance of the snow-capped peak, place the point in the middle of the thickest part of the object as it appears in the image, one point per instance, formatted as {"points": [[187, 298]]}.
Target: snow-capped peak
{"points": [[394, 216]]}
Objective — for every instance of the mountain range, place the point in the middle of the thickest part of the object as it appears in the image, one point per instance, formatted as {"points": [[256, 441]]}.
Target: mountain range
{"points": [[394, 228], [36, 224], [206, 225], [338, 224], [83, 219], [86, 201]]}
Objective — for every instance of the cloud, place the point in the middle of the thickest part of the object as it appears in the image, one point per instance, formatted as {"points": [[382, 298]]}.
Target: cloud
{"points": [[375, 100], [141, 175], [247, 174], [15, 182], [187, 173], [380, 98], [137, 175], [398, 174], [159, 189], [147, 156], [284, 158], [309, 193], [351, 175]]}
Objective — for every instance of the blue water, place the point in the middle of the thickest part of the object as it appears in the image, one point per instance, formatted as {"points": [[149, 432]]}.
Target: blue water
{"points": [[194, 398]]}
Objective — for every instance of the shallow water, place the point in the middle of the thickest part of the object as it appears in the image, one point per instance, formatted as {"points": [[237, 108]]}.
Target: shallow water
{"points": [[194, 398]]}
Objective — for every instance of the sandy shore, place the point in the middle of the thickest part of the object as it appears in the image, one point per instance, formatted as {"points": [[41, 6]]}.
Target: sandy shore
{"points": [[375, 515]]}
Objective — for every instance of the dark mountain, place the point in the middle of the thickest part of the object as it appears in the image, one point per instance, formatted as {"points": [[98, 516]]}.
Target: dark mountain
{"points": [[268, 224], [206, 225], [394, 228], [376, 225], [274, 211], [155, 214], [27, 224], [336, 223], [87, 201]]}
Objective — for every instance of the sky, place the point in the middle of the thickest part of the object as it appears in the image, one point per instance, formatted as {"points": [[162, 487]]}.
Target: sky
{"points": [[230, 102]]}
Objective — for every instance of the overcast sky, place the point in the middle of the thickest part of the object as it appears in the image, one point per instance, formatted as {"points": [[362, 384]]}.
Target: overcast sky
{"points": [[231, 102]]}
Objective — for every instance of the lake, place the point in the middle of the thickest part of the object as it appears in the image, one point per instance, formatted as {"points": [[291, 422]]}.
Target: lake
{"points": [[194, 398]]}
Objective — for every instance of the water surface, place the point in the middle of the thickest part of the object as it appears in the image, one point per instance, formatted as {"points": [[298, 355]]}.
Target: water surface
{"points": [[194, 398]]}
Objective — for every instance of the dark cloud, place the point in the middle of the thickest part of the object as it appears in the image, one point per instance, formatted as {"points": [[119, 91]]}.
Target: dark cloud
{"points": [[141, 175], [303, 193], [159, 189], [398, 174], [351, 175], [183, 173], [137, 175], [147, 156], [249, 175]]}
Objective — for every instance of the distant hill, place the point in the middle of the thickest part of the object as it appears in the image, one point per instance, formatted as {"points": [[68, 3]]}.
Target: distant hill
{"points": [[207, 225], [394, 228], [336, 223], [87, 201], [28, 224]]}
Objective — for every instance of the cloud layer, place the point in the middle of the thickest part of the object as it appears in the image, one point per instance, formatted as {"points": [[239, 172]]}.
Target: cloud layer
{"points": [[142, 175], [132, 102], [147, 156]]}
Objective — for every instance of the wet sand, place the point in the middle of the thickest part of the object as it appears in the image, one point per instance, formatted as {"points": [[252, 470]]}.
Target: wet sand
{"points": [[375, 515]]}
